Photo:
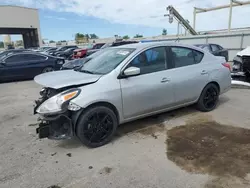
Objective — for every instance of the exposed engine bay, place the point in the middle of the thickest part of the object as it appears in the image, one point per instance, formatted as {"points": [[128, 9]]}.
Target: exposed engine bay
{"points": [[241, 64]]}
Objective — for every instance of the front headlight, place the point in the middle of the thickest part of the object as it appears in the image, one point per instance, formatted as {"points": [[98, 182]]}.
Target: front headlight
{"points": [[58, 102]]}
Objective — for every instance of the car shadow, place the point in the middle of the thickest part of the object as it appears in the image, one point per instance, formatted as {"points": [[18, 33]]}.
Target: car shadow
{"points": [[144, 123]]}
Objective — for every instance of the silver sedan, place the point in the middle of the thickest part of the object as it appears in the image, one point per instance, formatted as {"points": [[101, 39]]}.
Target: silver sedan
{"points": [[126, 83]]}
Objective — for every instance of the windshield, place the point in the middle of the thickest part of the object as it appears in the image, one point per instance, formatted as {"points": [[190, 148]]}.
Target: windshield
{"points": [[106, 61]]}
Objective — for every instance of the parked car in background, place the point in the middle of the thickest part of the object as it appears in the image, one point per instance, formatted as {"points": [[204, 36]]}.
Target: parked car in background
{"points": [[49, 50], [76, 63], [80, 53], [95, 48], [126, 83], [107, 45], [10, 46], [214, 49], [42, 49], [27, 65], [14, 51], [67, 53], [63, 48], [241, 64]]}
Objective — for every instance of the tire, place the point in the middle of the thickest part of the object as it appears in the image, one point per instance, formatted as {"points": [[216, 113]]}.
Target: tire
{"points": [[209, 98], [96, 126], [47, 69]]}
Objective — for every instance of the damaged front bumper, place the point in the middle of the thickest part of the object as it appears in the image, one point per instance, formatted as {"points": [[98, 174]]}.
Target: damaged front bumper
{"points": [[55, 127]]}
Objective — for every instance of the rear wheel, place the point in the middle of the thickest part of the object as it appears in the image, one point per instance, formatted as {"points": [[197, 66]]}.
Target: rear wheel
{"points": [[209, 98], [47, 69], [96, 126]]}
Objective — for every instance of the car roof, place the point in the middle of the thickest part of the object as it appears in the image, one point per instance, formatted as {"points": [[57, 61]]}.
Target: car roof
{"points": [[155, 44]]}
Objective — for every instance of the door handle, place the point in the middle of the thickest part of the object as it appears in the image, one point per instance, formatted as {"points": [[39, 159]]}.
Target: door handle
{"points": [[204, 72], [164, 80]]}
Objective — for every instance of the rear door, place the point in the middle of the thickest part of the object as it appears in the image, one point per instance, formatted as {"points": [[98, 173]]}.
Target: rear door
{"points": [[34, 64], [187, 74], [151, 90]]}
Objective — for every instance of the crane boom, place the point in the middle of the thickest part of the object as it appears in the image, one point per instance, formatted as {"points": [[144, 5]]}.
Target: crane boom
{"points": [[180, 19]]}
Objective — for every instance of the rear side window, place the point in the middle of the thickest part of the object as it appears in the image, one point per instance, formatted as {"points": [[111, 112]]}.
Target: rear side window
{"points": [[13, 58], [214, 48], [24, 57], [32, 57], [185, 56]]}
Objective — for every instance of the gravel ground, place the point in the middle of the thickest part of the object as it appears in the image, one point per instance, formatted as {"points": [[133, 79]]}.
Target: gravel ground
{"points": [[135, 158]]}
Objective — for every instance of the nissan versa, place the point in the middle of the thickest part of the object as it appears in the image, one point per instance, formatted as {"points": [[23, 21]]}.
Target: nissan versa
{"points": [[127, 83]]}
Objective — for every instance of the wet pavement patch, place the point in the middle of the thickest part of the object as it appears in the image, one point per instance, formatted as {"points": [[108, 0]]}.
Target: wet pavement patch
{"points": [[206, 146]]}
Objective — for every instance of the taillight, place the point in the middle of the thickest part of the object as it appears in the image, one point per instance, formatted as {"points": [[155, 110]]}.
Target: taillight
{"points": [[227, 65]]}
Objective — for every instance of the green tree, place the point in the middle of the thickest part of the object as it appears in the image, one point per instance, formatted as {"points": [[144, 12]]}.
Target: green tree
{"points": [[125, 37], [93, 36], [1, 44], [63, 41], [79, 37], [51, 41], [138, 36], [164, 32]]}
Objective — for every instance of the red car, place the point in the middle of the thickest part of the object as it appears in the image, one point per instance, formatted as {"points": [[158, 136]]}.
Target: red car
{"points": [[80, 53]]}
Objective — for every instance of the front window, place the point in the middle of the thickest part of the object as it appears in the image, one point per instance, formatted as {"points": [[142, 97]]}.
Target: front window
{"points": [[152, 60], [106, 61]]}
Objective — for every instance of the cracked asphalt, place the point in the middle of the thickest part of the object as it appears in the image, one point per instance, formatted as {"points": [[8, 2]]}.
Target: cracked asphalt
{"points": [[136, 157]]}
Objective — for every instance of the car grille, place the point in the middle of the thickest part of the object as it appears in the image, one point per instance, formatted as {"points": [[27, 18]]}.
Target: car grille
{"points": [[246, 63]]}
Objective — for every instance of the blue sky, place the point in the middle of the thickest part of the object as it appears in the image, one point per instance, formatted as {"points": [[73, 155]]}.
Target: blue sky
{"points": [[63, 25], [61, 19]]}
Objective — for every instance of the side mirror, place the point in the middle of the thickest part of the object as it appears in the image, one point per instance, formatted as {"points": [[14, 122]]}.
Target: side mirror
{"points": [[132, 71]]}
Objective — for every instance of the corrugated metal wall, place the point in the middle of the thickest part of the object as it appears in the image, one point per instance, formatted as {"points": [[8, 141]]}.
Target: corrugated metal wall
{"points": [[234, 42]]}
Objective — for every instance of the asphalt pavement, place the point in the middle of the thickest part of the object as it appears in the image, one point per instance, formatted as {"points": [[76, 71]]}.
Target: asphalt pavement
{"points": [[136, 157]]}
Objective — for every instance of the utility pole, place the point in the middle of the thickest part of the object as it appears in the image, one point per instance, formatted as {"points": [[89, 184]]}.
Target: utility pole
{"points": [[230, 16], [194, 21]]}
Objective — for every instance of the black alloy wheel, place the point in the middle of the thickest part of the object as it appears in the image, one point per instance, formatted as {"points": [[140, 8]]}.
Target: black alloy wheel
{"points": [[96, 126], [209, 98]]}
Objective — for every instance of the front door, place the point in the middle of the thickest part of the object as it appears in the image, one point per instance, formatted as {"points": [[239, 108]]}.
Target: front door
{"points": [[150, 91]]}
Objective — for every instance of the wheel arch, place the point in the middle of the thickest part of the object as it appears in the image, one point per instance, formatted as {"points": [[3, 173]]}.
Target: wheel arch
{"points": [[215, 83], [99, 103]]}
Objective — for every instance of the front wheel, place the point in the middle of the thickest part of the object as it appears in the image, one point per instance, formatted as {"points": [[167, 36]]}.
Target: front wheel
{"points": [[47, 69], [96, 126], [209, 98]]}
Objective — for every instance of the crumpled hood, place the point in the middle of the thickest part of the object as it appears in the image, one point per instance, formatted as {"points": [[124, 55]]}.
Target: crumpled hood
{"points": [[60, 79], [245, 52]]}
